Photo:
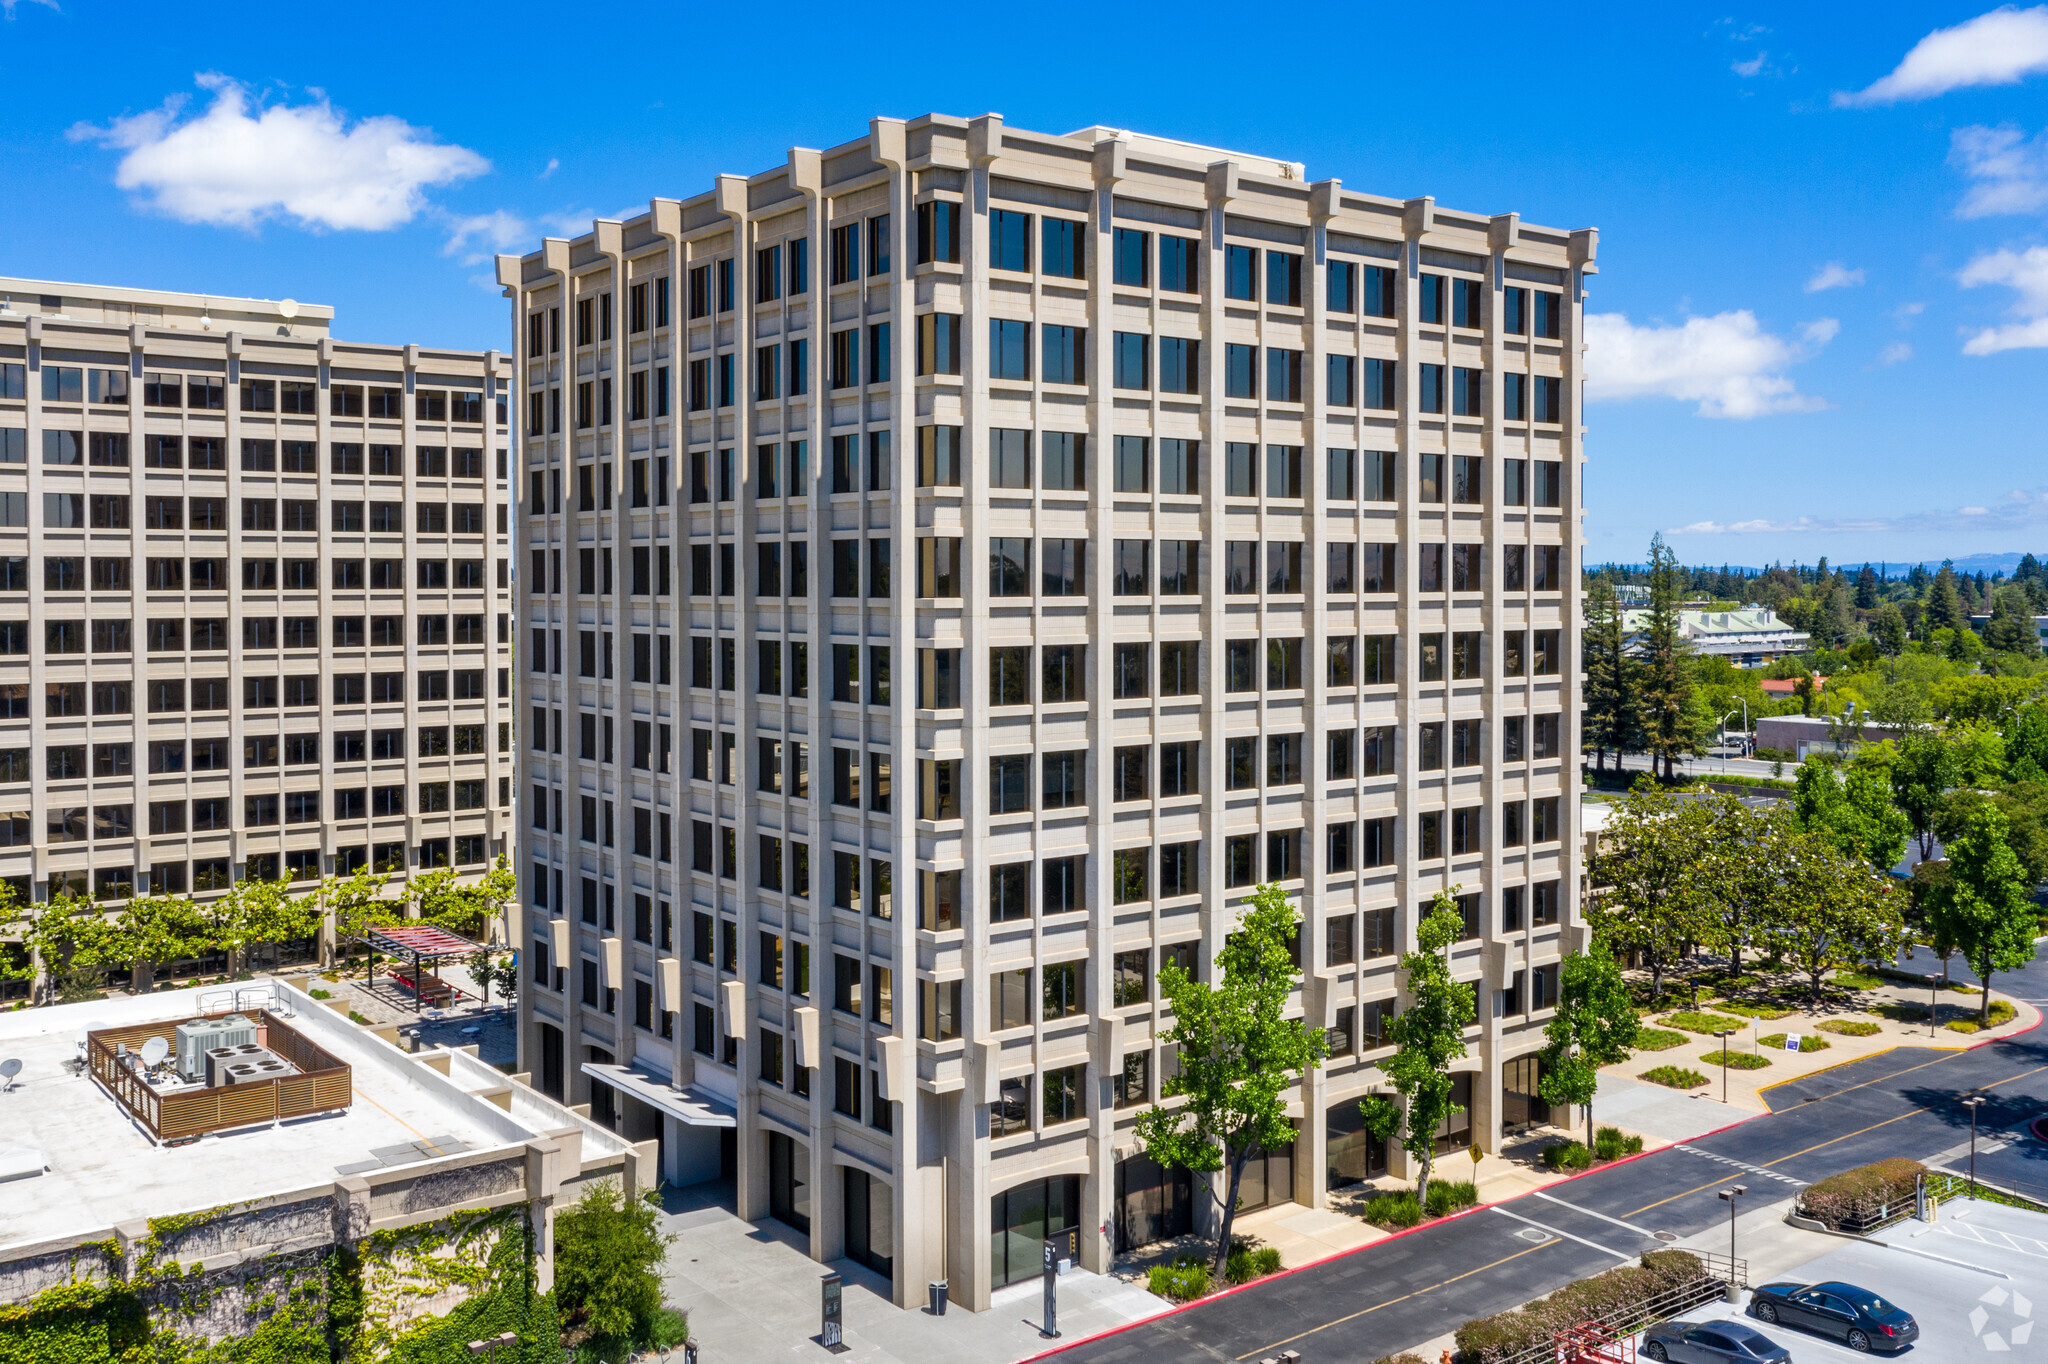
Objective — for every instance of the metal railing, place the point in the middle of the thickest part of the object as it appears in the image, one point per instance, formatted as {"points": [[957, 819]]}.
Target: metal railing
{"points": [[1716, 1273], [1874, 1215]]}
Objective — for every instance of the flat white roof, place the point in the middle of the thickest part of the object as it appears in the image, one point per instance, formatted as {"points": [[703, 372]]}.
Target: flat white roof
{"points": [[21, 290], [100, 1168]]}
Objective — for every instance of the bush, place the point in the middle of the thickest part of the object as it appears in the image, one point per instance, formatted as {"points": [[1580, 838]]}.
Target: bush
{"points": [[1183, 1281], [608, 1258], [1238, 1266], [2001, 1012], [358, 1019], [1856, 980], [1964, 1025], [1570, 1155], [1675, 1077], [1610, 1144], [1266, 1259], [1766, 1012], [318, 993], [1737, 1060], [1838, 1196], [1491, 1339], [1849, 1027], [1807, 1042], [1446, 1196], [1657, 1039], [1701, 1022], [1395, 1210], [1400, 1359]]}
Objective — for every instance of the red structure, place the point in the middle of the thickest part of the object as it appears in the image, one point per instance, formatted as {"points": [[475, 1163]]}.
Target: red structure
{"points": [[1591, 1343], [426, 946]]}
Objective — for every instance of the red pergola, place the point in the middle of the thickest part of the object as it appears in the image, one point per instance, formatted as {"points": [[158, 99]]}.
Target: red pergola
{"points": [[423, 943]]}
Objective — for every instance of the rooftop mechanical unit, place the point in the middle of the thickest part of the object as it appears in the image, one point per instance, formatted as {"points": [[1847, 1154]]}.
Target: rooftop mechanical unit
{"points": [[202, 1035]]}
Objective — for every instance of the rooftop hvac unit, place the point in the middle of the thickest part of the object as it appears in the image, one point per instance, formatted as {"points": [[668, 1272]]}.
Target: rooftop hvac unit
{"points": [[202, 1035]]}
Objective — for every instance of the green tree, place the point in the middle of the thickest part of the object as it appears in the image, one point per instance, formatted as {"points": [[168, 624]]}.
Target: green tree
{"points": [[1653, 877], [608, 1258], [259, 912], [1922, 773], [1238, 1056], [1595, 1025], [1853, 807], [1888, 629], [1731, 876], [155, 930], [1984, 911], [1428, 1036], [1831, 909], [358, 904], [1607, 686], [1663, 667], [469, 909], [74, 942], [2025, 807], [2011, 627], [1944, 604]]}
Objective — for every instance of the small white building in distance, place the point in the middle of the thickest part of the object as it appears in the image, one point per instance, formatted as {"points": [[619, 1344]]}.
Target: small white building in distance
{"points": [[1749, 638]]}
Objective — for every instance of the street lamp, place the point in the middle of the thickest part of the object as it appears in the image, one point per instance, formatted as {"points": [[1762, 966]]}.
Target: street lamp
{"points": [[1728, 1196], [1973, 1103], [489, 1348], [1724, 1034], [1933, 984]]}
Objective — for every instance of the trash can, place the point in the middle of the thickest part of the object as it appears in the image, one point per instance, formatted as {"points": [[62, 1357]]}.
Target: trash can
{"points": [[936, 1292]]}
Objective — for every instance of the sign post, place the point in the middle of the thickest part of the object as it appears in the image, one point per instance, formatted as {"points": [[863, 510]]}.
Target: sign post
{"points": [[1051, 1329], [831, 1333]]}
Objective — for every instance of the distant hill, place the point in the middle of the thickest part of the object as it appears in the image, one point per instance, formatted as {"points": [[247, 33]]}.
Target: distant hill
{"points": [[1968, 563]]}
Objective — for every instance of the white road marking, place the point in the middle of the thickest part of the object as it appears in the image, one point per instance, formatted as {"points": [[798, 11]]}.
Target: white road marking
{"points": [[1744, 1165], [1640, 1231], [1604, 1250]]}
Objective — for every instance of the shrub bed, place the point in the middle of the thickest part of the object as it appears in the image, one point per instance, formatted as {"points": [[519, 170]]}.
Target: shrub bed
{"points": [[1616, 1293], [1394, 1210], [1807, 1042], [1182, 1281], [1701, 1022], [1849, 1027], [1657, 1039], [1570, 1155], [1838, 1196], [1766, 1012], [1675, 1077], [1736, 1060], [1446, 1196], [1610, 1144], [2001, 1012], [1856, 980]]}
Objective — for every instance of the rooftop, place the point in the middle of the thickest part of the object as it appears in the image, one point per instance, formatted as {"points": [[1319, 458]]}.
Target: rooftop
{"points": [[72, 1160], [161, 308]]}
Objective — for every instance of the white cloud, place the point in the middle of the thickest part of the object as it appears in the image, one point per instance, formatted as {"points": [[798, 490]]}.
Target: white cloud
{"points": [[1906, 312], [2016, 511], [7, 7], [1898, 352], [476, 238], [1833, 275], [554, 164], [2023, 271], [1999, 48], [2010, 172], [1727, 363], [240, 163], [1750, 67]]}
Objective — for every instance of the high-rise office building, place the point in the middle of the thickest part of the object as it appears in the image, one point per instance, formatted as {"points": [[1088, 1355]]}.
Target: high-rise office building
{"points": [[958, 565], [254, 596]]}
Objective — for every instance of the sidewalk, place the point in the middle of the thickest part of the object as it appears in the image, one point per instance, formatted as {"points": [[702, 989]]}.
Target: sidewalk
{"points": [[753, 1296]]}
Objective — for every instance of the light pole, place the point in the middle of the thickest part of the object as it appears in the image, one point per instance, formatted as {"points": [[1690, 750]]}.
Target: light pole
{"points": [[489, 1348], [1728, 1196], [1973, 1103], [1933, 984], [1724, 1034]]}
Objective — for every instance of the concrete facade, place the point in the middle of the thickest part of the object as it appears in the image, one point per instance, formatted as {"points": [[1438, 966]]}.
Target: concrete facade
{"points": [[773, 887], [255, 595]]}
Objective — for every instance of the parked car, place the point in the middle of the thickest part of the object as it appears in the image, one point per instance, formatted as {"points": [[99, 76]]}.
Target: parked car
{"points": [[1844, 1311], [1712, 1342]]}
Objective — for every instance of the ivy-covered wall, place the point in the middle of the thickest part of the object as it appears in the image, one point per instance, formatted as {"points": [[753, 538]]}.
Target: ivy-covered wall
{"points": [[419, 1295]]}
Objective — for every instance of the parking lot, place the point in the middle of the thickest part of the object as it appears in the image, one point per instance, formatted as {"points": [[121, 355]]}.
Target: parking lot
{"points": [[1974, 1280]]}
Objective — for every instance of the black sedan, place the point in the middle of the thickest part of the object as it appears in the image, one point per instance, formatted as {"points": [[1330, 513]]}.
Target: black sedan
{"points": [[1712, 1342], [1844, 1311]]}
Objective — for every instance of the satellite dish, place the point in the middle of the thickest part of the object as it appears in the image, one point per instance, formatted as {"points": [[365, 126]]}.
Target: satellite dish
{"points": [[288, 308], [154, 1051], [205, 322], [9, 1068]]}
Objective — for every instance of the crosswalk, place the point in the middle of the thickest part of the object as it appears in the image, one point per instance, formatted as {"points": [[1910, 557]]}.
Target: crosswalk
{"points": [[1743, 1165]]}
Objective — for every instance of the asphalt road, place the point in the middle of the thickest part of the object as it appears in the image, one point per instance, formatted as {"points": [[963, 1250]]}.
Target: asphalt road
{"points": [[1389, 1295]]}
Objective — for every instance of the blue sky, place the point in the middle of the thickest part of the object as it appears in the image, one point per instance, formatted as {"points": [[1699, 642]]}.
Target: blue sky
{"points": [[1810, 215]]}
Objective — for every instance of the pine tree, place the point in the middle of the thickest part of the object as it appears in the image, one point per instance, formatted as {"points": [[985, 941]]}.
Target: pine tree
{"points": [[1664, 668], [1866, 590], [1607, 689], [1944, 604]]}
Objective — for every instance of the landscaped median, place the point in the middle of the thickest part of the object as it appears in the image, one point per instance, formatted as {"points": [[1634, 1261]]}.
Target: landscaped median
{"points": [[1621, 1300]]}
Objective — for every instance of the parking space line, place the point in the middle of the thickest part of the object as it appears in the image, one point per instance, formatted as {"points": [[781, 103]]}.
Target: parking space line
{"points": [[1604, 1250]]}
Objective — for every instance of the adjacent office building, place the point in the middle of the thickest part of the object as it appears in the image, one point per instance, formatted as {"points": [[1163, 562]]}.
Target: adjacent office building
{"points": [[254, 596], [956, 567]]}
